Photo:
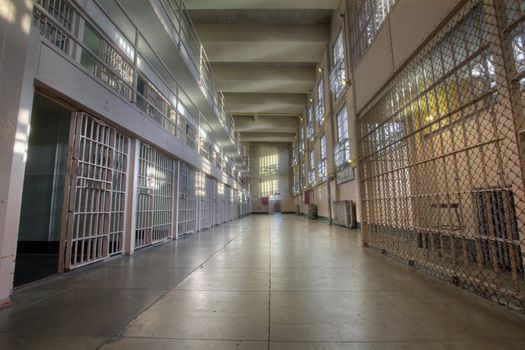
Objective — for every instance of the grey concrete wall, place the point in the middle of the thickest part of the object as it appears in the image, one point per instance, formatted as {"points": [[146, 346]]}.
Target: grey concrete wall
{"points": [[16, 95]]}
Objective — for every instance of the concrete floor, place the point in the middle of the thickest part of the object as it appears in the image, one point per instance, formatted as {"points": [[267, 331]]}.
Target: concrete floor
{"points": [[278, 282]]}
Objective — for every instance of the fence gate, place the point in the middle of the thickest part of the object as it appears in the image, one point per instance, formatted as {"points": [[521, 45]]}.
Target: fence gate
{"points": [[93, 212], [154, 196]]}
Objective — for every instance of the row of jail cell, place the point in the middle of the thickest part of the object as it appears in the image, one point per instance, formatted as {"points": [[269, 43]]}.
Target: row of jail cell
{"points": [[167, 193]]}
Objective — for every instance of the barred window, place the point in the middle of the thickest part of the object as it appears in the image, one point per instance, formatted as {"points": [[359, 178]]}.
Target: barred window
{"points": [[342, 147], [319, 110], [301, 140], [322, 166], [338, 75], [310, 121], [312, 168], [342, 125]]}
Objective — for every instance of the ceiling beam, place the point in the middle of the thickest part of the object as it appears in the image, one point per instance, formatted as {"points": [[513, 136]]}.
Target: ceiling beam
{"points": [[265, 79], [264, 43], [267, 137], [242, 103], [261, 4], [267, 124]]}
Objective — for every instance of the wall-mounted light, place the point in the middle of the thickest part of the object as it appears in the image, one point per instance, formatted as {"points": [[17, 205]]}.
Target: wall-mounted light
{"points": [[344, 82], [320, 70], [311, 100]]}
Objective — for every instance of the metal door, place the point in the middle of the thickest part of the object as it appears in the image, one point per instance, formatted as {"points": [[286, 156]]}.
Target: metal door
{"points": [[187, 200], [206, 199], [144, 200], [118, 197], [154, 197], [162, 197], [87, 209], [219, 204]]}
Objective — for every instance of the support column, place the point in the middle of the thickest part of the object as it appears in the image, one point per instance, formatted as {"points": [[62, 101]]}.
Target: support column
{"points": [[17, 70], [131, 197]]}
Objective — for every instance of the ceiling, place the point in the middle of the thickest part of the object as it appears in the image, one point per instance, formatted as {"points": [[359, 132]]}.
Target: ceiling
{"points": [[264, 54]]}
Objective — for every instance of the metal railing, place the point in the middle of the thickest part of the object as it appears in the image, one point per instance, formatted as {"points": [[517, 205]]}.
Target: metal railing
{"points": [[116, 63]]}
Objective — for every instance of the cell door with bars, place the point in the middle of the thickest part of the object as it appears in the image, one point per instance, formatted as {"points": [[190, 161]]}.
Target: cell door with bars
{"points": [[219, 204], [118, 196], [154, 197], [187, 204], [206, 198], [227, 203], [94, 208]]}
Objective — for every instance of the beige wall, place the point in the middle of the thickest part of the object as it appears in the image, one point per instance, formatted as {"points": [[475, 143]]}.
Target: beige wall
{"points": [[259, 150]]}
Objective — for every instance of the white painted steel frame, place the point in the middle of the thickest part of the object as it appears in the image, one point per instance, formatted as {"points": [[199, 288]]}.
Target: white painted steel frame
{"points": [[154, 197], [94, 205]]}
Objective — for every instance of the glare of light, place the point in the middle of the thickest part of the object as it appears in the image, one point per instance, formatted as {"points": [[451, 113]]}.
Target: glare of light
{"points": [[125, 45], [8, 11], [22, 136], [181, 109], [26, 23]]}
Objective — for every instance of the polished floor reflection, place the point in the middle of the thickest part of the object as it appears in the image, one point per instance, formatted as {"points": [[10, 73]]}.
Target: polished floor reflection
{"points": [[278, 282]]}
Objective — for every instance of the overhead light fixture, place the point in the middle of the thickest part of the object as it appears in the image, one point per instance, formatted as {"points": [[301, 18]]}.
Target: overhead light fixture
{"points": [[311, 100], [344, 82], [319, 69]]}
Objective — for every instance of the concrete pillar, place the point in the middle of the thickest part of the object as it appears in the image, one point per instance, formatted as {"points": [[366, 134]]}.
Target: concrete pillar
{"points": [[17, 69]]}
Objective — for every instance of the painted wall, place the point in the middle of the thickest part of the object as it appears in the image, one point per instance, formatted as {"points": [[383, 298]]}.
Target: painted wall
{"points": [[259, 151]]}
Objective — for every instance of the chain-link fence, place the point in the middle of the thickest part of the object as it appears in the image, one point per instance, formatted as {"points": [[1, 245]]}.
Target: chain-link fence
{"points": [[440, 162]]}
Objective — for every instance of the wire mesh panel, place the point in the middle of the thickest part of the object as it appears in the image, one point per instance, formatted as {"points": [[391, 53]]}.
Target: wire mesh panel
{"points": [[154, 196], [118, 197], [441, 182], [187, 200], [91, 164]]}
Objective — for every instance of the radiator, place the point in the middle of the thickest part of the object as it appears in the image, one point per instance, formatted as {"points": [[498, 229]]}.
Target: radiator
{"points": [[344, 212], [312, 211]]}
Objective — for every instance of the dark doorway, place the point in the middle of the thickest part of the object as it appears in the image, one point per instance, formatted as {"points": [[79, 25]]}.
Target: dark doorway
{"points": [[43, 192], [277, 206]]}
